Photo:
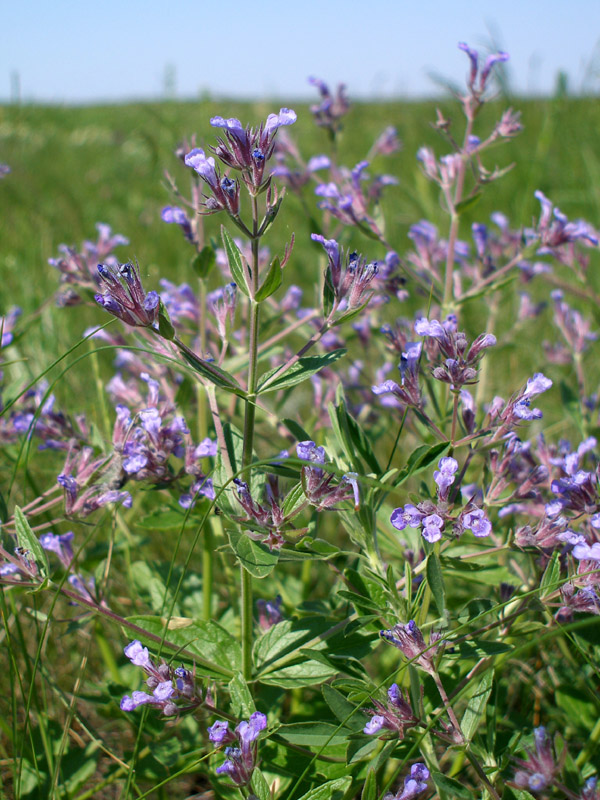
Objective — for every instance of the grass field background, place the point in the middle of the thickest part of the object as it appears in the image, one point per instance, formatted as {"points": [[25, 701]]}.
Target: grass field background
{"points": [[74, 167]]}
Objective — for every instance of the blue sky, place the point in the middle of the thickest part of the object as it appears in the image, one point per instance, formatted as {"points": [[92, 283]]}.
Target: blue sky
{"points": [[69, 51]]}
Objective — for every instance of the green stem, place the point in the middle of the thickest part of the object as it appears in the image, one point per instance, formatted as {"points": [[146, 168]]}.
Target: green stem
{"points": [[247, 622], [207, 539], [249, 420]]}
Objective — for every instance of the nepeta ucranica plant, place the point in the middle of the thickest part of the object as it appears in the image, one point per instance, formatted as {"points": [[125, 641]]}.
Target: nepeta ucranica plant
{"points": [[395, 502]]}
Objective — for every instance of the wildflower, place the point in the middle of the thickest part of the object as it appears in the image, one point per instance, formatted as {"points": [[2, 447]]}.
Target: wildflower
{"points": [[350, 279], [247, 149], [414, 784], [477, 89], [409, 639], [585, 600], [269, 612], [176, 215], [59, 544], [537, 771], [124, 296], [461, 361], [409, 393], [224, 192], [476, 521], [395, 716], [332, 108], [241, 760], [317, 483], [554, 229], [444, 475], [173, 689]]}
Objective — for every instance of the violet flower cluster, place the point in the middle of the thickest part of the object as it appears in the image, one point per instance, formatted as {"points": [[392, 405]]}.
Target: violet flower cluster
{"points": [[174, 690], [432, 517], [241, 749]]}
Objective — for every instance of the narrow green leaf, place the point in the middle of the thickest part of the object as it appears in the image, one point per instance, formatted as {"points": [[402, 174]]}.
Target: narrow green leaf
{"points": [[464, 205], [420, 459], [242, 703], [551, 577], [253, 556], [272, 282], [369, 791], [476, 706], [344, 711], [328, 293], [204, 262], [313, 734], [212, 372], [165, 326], [234, 259], [30, 542], [452, 786], [303, 369], [352, 313], [260, 787], [296, 430], [435, 579]]}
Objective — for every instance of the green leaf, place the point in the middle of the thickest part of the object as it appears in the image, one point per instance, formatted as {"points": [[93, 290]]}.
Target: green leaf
{"points": [[551, 577], [214, 650], [476, 706], [369, 791], [307, 673], [351, 436], [30, 543], [260, 787], [165, 326], [296, 430], [286, 637], [303, 369], [328, 293], [453, 787], [161, 521], [242, 703], [294, 498], [204, 261], [435, 579], [272, 282], [352, 313], [313, 734], [332, 790], [212, 372], [420, 459], [343, 710], [469, 202], [3, 506], [234, 259], [253, 556]]}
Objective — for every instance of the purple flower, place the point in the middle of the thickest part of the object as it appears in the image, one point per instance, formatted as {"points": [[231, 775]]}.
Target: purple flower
{"points": [[587, 552], [538, 769], [219, 733], [444, 475], [477, 522], [124, 296], [61, 545], [490, 61], [409, 639], [414, 784], [432, 527], [423, 327], [138, 654]]}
